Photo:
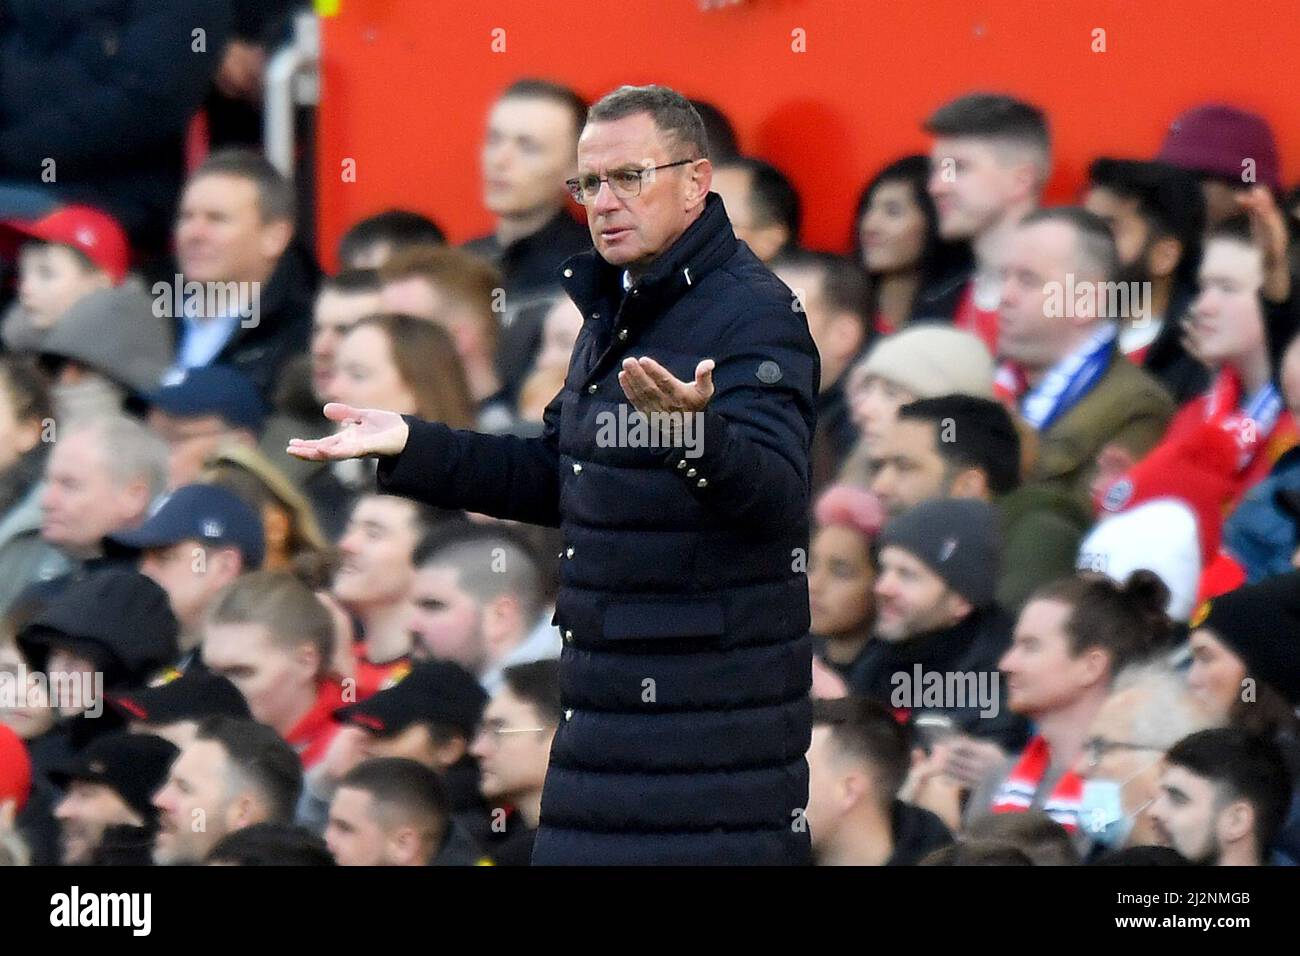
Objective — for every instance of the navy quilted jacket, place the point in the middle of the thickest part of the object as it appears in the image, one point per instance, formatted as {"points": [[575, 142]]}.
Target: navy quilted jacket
{"points": [[683, 600]]}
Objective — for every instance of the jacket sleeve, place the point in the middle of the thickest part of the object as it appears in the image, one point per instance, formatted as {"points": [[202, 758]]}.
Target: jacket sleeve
{"points": [[503, 476], [749, 463], [139, 97], [1146, 423]]}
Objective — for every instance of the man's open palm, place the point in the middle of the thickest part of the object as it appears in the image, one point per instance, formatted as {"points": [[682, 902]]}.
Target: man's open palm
{"points": [[652, 388], [365, 431]]}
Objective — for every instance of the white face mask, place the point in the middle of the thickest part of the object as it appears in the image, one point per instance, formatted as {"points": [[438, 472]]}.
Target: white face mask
{"points": [[91, 397]]}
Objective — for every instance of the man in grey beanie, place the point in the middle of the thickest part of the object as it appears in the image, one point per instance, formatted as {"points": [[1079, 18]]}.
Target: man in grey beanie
{"points": [[939, 633]]}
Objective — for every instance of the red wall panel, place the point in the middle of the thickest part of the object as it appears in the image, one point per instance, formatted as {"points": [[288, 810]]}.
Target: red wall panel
{"points": [[407, 83]]}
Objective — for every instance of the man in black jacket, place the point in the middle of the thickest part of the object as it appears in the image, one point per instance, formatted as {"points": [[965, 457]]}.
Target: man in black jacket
{"points": [[939, 633], [857, 764], [96, 98], [532, 131], [675, 462], [243, 293]]}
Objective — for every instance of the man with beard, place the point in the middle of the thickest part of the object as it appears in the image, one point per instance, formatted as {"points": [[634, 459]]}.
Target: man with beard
{"points": [[1223, 797], [1157, 214], [105, 816], [233, 774], [936, 615]]}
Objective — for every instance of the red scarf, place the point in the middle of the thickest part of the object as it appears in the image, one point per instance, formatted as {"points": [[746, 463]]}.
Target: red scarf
{"points": [[971, 318], [1016, 793]]}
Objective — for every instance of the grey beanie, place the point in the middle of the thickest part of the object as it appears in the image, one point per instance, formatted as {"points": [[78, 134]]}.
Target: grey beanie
{"points": [[116, 333], [957, 538]]}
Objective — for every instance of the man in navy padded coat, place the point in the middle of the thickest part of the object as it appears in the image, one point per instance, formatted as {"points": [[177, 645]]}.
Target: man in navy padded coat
{"points": [[683, 601]]}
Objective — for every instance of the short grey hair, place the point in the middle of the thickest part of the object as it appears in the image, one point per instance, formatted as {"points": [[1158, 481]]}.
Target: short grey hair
{"points": [[673, 114], [1095, 253], [131, 452], [1167, 712]]}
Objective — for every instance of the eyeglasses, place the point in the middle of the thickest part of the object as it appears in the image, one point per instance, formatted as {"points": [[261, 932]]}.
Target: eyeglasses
{"points": [[498, 730], [1097, 748], [625, 183]]}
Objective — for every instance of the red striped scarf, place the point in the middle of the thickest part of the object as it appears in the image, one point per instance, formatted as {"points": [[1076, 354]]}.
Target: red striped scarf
{"points": [[1016, 793]]}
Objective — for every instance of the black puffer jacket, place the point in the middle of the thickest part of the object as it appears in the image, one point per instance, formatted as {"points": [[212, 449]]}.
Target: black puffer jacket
{"points": [[686, 667]]}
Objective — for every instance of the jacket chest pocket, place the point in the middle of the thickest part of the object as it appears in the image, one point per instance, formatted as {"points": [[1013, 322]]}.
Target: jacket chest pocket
{"points": [[647, 620]]}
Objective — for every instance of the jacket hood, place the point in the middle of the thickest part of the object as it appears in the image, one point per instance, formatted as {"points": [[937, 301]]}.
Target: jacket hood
{"points": [[116, 333], [119, 619]]}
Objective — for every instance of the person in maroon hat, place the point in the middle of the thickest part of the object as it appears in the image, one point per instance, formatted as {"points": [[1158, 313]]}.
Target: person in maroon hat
{"points": [[1230, 149], [65, 255]]}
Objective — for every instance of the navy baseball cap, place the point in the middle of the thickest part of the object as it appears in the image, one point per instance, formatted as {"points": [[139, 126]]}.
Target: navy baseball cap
{"points": [[206, 513], [211, 390]]}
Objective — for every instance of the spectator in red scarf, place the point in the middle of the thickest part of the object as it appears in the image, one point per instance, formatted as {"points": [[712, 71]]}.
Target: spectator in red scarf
{"points": [[273, 639], [1070, 641]]}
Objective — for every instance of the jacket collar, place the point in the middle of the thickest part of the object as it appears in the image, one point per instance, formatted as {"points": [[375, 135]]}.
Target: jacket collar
{"points": [[706, 244]]}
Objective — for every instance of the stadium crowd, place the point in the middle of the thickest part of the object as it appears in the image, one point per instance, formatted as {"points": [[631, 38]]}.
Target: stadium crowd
{"points": [[1056, 478]]}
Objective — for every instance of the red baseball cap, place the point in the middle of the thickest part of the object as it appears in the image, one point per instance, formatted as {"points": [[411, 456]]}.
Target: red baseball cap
{"points": [[91, 231]]}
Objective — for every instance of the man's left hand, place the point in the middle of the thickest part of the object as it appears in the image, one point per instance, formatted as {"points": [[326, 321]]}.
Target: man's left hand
{"points": [[651, 388]]}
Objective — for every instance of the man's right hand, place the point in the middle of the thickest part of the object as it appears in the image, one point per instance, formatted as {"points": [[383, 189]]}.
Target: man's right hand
{"points": [[364, 432]]}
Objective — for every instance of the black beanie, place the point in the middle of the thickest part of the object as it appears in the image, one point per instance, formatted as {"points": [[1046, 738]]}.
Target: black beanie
{"points": [[957, 539], [1261, 624]]}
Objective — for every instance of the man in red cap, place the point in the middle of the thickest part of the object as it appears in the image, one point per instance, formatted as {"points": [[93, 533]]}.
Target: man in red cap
{"points": [[65, 255]]}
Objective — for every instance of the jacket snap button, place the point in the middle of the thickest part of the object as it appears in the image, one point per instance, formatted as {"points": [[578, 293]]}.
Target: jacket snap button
{"points": [[568, 637], [591, 389], [568, 552], [702, 483], [595, 315], [681, 464], [690, 472], [622, 334], [568, 715], [577, 468], [568, 273]]}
